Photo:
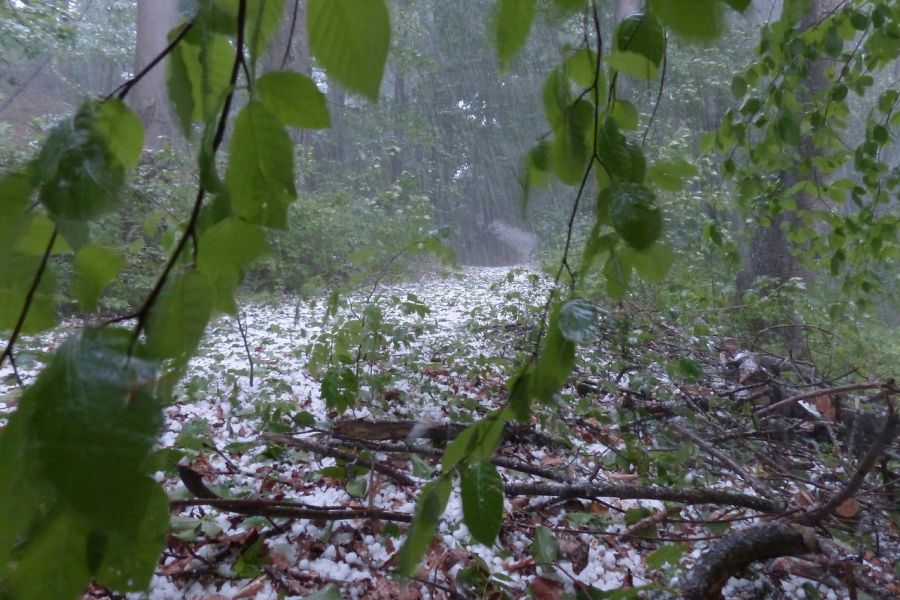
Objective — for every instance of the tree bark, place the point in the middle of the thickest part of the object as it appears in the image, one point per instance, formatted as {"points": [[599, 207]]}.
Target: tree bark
{"points": [[149, 98], [769, 253]]}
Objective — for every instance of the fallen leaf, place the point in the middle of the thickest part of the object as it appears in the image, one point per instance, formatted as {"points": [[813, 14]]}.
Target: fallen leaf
{"points": [[848, 508], [546, 589]]}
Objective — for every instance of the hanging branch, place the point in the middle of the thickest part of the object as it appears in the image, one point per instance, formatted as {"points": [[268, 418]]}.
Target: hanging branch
{"points": [[190, 229], [122, 91]]}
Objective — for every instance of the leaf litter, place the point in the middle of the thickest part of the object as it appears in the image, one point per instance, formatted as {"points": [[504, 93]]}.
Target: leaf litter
{"points": [[446, 349]]}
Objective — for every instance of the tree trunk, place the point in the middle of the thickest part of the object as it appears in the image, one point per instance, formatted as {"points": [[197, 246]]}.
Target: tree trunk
{"points": [[769, 253], [149, 98]]}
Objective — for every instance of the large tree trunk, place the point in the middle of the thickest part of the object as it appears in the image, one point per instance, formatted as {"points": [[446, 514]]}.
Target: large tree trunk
{"points": [[769, 253], [154, 20]]}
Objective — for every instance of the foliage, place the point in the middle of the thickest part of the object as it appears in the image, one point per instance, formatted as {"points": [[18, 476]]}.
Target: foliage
{"points": [[95, 408], [119, 515]]}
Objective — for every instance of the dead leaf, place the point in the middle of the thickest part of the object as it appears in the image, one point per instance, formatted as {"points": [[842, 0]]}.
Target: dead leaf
{"points": [[546, 589], [848, 508], [826, 407], [252, 589]]}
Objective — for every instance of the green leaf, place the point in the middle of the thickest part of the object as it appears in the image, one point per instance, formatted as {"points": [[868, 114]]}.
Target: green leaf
{"points": [[788, 129], [95, 268], [178, 320], [621, 157], [35, 233], [667, 553], [82, 179], [340, 388], [459, 448], [294, 98], [671, 173], [521, 393], [634, 214], [642, 34], [692, 19], [578, 320], [182, 69], [329, 592], [91, 410], [556, 96], [17, 272], [581, 67], [513, 22], [632, 63], [264, 16], [130, 557], [555, 361], [350, 39], [545, 547], [199, 75], [617, 272], [16, 189], [570, 147], [625, 114], [260, 175], [482, 501], [227, 249], [121, 129], [46, 568], [738, 87], [432, 502], [653, 262]]}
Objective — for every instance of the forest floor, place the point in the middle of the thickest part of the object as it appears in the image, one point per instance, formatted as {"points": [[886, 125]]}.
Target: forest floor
{"points": [[650, 408]]}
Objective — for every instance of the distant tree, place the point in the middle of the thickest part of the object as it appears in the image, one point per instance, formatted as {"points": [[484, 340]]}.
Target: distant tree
{"points": [[155, 18]]}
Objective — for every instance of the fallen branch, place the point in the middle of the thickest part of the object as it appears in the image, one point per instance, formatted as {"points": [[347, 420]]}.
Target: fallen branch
{"points": [[885, 436], [888, 387], [739, 549], [346, 455], [261, 507], [500, 461], [292, 510], [588, 491]]}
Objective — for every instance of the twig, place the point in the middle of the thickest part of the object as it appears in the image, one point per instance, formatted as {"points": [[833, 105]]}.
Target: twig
{"points": [[246, 344], [123, 89], [721, 457]]}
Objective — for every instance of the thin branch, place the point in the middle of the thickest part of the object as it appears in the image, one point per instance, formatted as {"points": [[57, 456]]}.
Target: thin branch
{"points": [[29, 300], [122, 91], [246, 344], [189, 232]]}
